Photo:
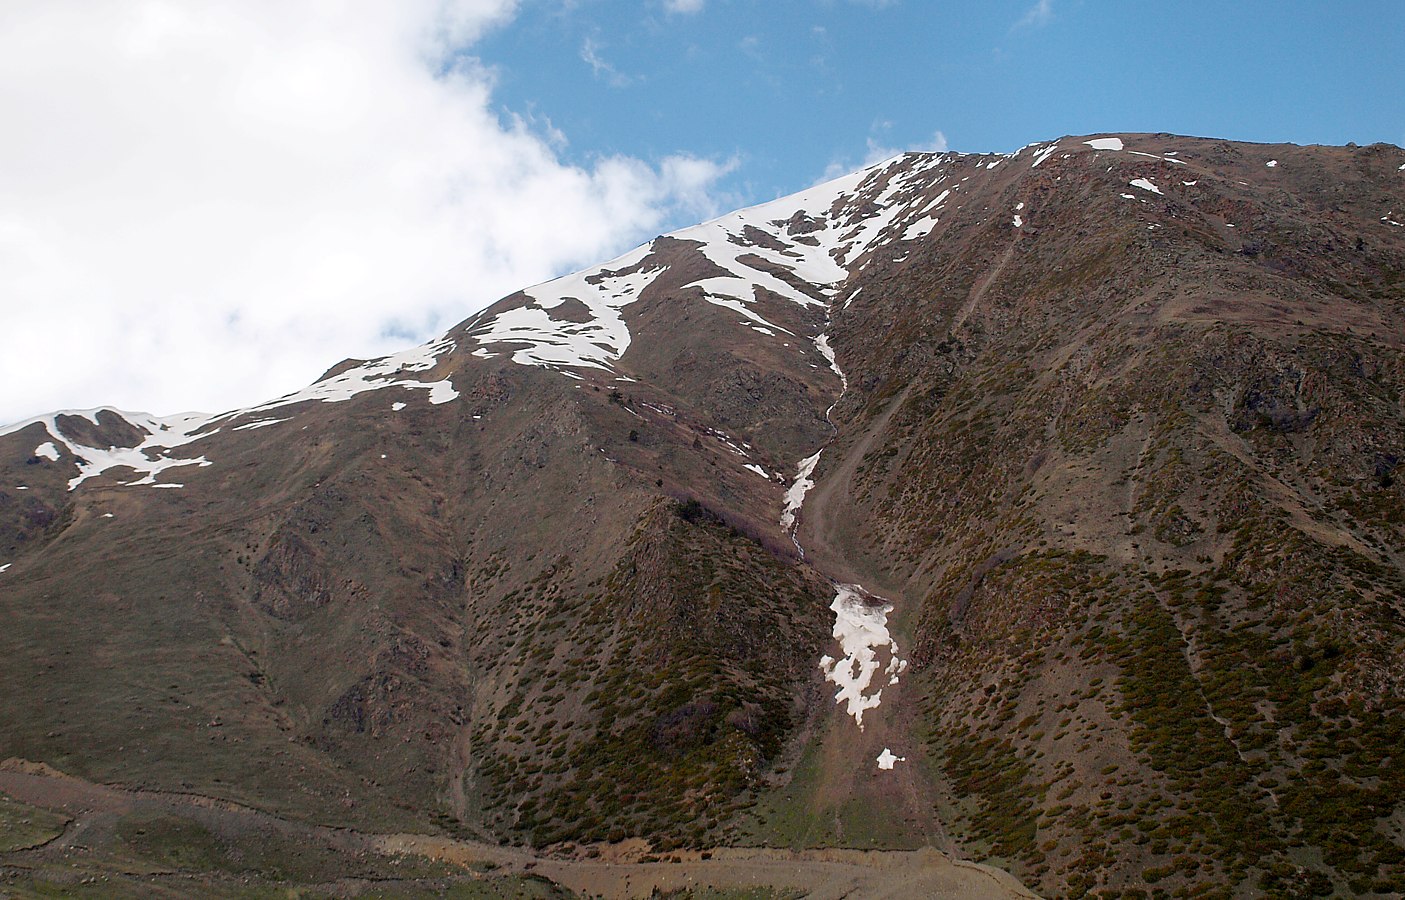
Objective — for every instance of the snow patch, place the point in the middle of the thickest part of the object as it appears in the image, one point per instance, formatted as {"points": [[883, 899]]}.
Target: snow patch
{"points": [[822, 343], [861, 628], [1041, 155], [399, 405], [795, 496], [258, 424], [47, 450], [1272, 164], [5, 566], [1110, 143], [1144, 184], [920, 229], [886, 759], [150, 458], [388, 371]]}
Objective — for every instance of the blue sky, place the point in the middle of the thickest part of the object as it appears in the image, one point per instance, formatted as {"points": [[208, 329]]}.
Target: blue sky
{"points": [[207, 203], [790, 88]]}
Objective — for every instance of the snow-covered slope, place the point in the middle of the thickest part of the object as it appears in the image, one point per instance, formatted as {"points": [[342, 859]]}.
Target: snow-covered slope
{"points": [[98, 440], [799, 248]]}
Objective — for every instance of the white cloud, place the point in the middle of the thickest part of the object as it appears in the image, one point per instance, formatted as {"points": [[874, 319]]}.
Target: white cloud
{"points": [[590, 52], [877, 150], [1038, 15], [684, 7], [205, 204]]}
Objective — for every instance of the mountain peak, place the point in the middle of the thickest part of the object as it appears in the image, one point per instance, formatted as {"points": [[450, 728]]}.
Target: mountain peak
{"points": [[1044, 508]]}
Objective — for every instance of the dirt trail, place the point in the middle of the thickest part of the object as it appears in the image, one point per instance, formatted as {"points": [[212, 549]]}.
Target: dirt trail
{"points": [[898, 805], [818, 874], [618, 871], [985, 282], [825, 533]]}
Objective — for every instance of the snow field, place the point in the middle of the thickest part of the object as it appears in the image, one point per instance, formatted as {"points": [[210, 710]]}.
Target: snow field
{"points": [[861, 628]]}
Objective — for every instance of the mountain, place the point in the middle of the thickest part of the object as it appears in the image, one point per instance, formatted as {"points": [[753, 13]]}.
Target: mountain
{"points": [[1043, 509]]}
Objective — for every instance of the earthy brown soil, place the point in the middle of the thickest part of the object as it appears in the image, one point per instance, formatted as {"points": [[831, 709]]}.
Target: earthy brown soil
{"points": [[618, 871]]}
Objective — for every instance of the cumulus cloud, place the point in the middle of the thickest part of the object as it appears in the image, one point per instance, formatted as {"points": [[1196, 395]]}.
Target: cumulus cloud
{"points": [[205, 204]]}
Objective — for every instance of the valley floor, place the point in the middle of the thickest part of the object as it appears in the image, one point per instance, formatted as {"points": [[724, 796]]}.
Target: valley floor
{"points": [[65, 836]]}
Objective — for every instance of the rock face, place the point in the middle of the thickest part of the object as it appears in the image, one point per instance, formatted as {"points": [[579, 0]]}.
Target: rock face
{"points": [[1109, 432]]}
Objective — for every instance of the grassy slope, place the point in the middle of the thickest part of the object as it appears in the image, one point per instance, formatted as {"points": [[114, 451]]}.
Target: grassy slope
{"points": [[1146, 489]]}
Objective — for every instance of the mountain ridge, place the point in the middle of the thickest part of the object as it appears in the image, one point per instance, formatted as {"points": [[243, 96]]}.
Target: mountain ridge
{"points": [[1064, 410]]}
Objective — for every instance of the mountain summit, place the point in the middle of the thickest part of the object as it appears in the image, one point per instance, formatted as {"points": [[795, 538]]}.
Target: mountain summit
{"points": [[1042, 509]]}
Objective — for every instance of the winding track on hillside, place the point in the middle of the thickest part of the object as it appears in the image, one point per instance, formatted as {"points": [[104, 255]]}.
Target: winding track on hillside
{"points": [[822, 524]]}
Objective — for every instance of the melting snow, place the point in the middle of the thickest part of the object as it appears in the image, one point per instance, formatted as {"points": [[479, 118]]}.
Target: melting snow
{"points": [[1041, 155], [862, 632], [164, 433], [5, 566], [919, 229], [546, 341], [796, 495], [258, 424], [799, 248], [150, 457], [757, 469], [886, 759], [1105, 143], [1272, 163], [388, 371], [1019, 222], [399, 405], [822, 342], [1145, 185]]}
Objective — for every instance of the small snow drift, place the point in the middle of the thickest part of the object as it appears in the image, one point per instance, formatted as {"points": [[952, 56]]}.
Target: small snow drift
{"points": [[886, 759]]}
